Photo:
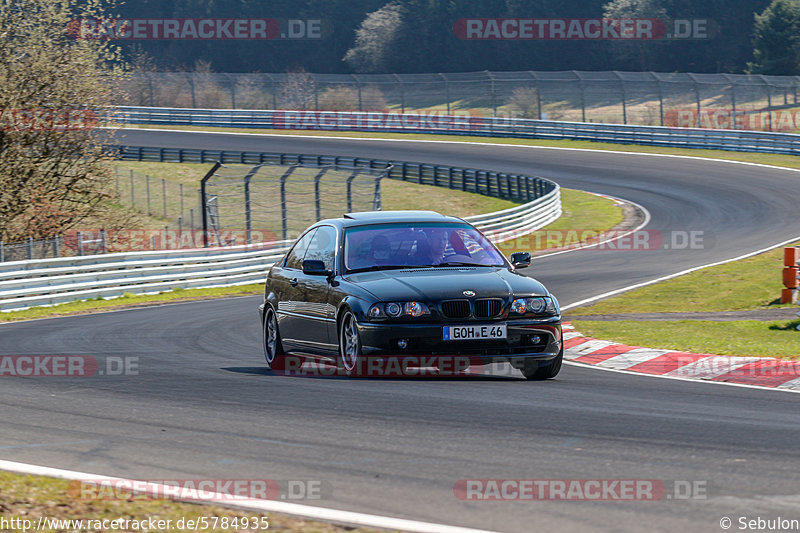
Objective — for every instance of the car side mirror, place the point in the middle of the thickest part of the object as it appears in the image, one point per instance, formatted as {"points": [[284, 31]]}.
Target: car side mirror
{"points": [[521, 259], [315, 267]]}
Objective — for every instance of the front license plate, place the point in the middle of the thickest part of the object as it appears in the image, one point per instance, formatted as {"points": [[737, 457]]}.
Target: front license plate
{"points": [[468, 333]]}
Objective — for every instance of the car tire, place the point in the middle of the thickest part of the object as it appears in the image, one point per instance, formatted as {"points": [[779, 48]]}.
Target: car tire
{"points": [[534, 371], [273, 349], [349, 345]]}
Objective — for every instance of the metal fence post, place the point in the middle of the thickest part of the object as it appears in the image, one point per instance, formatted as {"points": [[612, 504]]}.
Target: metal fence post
{"points": [[284, 213], [103, 241], [377, 201], [80, 243], [350, 190], [247, 212], [147, 187], [164, 195], [317, 199], [180, 185], [494, 102], [57, 246], [583, 95], [29, 242], [403, 93], [2, 252], [446, 91], [624, 103], [203, 200], [133, 200]]}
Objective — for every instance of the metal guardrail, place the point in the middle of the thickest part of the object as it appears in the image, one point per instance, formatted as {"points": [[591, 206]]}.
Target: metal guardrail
{"points": [[515, 187], [51, 281], [732, 140]]}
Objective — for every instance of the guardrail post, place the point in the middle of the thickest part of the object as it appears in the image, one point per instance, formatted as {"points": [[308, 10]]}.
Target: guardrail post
{"points": [[791, 257], [203, 200]]}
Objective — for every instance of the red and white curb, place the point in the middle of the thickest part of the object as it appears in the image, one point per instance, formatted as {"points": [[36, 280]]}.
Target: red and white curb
{"points": [[754, 371]]}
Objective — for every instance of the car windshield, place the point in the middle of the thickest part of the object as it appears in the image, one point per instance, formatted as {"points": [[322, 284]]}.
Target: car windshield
{"points": [[388, 246]]}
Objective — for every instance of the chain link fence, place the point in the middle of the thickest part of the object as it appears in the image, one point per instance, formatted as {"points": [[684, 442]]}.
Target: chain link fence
{"points": [[174, 203], [732, 101], [268, 202], [243, 204]]}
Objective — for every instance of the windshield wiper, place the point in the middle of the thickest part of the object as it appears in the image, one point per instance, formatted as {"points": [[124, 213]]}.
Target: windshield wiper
{"points": [[376, 267], [462, 263]]}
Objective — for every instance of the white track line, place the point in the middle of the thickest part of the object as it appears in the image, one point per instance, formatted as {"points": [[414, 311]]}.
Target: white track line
{"points": [[478, 143], [306, 511], [677, 378]]}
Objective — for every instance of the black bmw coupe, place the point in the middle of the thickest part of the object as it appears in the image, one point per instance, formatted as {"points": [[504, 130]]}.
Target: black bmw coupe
{"points": [[393, 284]]}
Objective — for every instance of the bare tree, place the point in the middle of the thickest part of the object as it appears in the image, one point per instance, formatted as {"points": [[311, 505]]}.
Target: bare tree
{"points": [[55, 86], [375, 39], [297, 90]]}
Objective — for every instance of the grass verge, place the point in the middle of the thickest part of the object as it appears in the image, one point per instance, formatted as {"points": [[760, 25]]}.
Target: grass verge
{"points": [[24, 497], [131, 300], [752, 283], [743, 337]]}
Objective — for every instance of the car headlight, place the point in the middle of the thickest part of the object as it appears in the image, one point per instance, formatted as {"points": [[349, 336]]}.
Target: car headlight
{"points": [[398, 309], [536, 305]]}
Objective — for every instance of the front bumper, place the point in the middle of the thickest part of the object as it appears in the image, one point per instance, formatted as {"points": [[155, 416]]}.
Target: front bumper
{"points": [[381, 339]]}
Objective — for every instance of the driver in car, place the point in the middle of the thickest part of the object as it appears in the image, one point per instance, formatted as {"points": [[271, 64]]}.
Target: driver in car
{"points": [[431, 246]]}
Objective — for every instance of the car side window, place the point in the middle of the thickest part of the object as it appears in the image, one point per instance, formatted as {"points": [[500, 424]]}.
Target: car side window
{"points": [[323, 246], [295, 258]]}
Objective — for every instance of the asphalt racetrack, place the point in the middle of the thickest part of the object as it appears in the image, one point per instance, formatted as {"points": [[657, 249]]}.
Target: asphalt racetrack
{"points": [[202, 405]]}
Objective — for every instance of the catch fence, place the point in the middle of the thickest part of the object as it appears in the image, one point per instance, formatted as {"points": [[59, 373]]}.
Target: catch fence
{"points": [[732, 101]]}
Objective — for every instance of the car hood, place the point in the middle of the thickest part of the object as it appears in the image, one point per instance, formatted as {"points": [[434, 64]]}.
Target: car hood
{"points": [[446, 283]]}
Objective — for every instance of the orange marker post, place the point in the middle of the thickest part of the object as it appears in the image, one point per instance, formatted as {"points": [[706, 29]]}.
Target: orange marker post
{"points": [[791, 256]]}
